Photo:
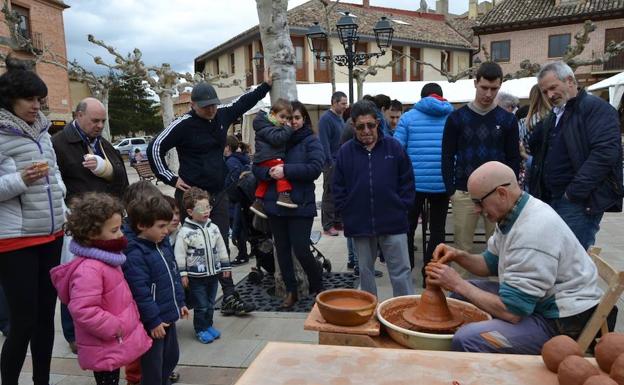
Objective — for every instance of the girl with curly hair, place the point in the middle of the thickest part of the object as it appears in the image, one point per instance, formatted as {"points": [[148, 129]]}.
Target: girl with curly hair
{"points": [[109, 333]]}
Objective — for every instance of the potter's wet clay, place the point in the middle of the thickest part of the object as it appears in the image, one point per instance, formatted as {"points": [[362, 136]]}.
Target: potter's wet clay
{"points": [[348, 303], [557, 349], [575, 370], [617, 370], [601, 379], [433, 313], [608, 349]]}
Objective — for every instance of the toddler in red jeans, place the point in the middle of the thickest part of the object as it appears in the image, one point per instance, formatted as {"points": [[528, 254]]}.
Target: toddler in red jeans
{"points": [[272, 135]]}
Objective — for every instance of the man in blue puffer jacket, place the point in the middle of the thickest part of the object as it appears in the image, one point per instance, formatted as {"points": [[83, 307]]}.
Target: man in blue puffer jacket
{"points": [[420, 132], [373, 192]]}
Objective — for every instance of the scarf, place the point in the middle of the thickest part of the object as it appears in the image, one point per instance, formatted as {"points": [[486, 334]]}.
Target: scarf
{"points": [[113, 259], [94, 144], [13, 123], [299, 135]]}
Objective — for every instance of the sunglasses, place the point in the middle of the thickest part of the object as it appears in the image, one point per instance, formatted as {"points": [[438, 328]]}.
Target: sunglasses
{"points": [[478, 201], [369, 125]]}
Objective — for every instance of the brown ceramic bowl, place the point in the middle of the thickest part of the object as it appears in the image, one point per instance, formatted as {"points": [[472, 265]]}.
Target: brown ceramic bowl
{"points": [[346, 307]]}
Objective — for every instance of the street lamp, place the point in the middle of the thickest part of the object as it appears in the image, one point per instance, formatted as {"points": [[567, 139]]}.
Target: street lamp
{"points": [[348, 36], [257, 60]]}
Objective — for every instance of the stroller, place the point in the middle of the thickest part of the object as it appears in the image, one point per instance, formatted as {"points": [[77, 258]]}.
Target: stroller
{"points": [[259, 233]]}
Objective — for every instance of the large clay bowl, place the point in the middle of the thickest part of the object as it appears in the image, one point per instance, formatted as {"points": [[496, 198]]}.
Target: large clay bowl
{"points": [[346, 307], [390, 314]]}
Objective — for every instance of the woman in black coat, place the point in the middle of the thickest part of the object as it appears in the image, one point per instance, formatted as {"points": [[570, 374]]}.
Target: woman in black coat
{"points": [[291, 227]]}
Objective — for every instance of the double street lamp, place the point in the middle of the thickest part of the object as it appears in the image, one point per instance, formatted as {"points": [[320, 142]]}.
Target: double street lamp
{"points": [[347, 33]]}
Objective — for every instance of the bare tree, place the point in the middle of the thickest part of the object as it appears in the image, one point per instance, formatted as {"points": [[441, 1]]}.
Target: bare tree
{"points": [[328, 8], [278, 48]]}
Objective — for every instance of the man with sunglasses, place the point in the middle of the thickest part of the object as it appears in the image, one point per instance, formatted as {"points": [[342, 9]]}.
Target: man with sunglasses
{"points": [[373, 189], [546, 284]]}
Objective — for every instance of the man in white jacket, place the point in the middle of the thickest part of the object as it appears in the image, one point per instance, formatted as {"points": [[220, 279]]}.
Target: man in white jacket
{"points": [[547, 284]]}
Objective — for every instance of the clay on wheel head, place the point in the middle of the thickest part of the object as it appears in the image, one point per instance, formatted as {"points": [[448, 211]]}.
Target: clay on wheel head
{"points": [[575, 370], [557, 349], [608, 349]]}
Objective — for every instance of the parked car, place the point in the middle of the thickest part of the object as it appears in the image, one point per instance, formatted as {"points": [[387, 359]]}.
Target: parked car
{"points": [[127, 145]]}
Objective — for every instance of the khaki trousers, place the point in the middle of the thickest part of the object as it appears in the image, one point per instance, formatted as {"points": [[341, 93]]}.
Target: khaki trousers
{"points": [[465, 221]]}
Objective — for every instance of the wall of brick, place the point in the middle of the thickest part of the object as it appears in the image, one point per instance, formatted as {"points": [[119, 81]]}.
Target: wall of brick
{"points": [[533, 43], [46, 19]]}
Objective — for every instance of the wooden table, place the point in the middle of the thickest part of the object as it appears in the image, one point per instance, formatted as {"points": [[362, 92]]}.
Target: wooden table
{"points": [[302, 364]]}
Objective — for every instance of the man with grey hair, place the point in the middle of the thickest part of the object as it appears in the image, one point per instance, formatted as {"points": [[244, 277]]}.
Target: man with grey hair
{"points": [[507, 102], [577, 164]]}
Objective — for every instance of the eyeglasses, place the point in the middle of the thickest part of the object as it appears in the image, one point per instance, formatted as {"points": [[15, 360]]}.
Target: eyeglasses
{"points": [[479, 202], [369, 125]]}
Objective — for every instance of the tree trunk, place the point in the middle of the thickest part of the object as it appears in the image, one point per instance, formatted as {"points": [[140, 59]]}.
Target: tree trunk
{"points": [[278, 49], [166, 108], [106, 133]]}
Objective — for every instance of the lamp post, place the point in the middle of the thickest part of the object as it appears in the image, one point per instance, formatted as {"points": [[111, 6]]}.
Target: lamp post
{"points": [[257, 59], [347, 33]]}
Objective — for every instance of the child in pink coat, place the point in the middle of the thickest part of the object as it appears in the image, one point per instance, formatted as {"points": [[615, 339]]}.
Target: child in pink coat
{"points": [[109, 333]]}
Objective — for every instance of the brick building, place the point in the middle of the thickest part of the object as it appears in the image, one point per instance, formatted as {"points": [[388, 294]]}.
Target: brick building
{"points": [[541, 30], [42, 22]]}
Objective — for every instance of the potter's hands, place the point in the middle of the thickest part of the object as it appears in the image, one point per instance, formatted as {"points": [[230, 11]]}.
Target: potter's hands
{"points": [[268, 76], [443, 275], [277, 172], [445, 254]]}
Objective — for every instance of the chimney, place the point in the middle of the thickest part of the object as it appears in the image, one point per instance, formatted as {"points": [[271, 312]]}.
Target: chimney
{"points": [[366, 3], [442, 7], [473, 9]]}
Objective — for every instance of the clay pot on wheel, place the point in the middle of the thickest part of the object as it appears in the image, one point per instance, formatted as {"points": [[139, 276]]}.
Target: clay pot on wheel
{"points": [[432, 312]]}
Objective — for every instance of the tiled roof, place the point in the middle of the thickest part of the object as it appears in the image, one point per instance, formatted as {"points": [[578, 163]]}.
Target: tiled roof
{"points": [[520, 14], [419, 28], [464, 25]]}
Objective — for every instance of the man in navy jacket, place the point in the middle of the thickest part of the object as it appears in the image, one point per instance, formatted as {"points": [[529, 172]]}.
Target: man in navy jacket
{"points": [[578, 168], [373, 189]]}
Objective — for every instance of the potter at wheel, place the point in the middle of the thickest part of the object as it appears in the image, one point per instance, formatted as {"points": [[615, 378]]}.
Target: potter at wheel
{"points": [[432, 312]]}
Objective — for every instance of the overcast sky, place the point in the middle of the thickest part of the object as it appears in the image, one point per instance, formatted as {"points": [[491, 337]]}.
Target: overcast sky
{"points": [[175, 31]]}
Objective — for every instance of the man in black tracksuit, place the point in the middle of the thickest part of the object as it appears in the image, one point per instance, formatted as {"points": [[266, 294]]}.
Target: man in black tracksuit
{"points": [[199, 136]]}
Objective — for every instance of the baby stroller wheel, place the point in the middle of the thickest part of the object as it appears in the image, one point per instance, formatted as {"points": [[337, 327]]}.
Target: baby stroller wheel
{"points": [[327, 265], [255, 276]]}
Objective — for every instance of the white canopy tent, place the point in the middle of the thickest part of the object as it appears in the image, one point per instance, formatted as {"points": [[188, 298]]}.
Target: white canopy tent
{"points": [[615, 84], [319, 94]]}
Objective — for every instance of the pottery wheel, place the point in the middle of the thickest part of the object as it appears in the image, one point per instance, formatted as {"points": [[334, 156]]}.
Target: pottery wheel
{"points": [[412, 316]]}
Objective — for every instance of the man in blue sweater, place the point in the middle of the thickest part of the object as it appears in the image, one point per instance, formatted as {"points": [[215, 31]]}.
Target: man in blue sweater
{"points": [[373, 190], [330, 127], [578, 169], [478, 132]]}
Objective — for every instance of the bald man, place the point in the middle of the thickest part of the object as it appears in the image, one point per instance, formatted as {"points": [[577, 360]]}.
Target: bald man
{"points": [[547, 284], [88, 163]]}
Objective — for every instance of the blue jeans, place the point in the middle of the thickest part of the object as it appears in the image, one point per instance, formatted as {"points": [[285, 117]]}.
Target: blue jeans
{"points": [[353, 259], [203, 295], [583, 225], [498, 336], [394, 248]]}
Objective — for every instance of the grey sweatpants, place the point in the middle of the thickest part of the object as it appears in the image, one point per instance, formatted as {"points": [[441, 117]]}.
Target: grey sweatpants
{"points": [[394, 249]]}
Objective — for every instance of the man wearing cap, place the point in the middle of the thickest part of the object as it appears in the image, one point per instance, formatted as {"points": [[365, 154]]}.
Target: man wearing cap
{"points": [[199, 136]]}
